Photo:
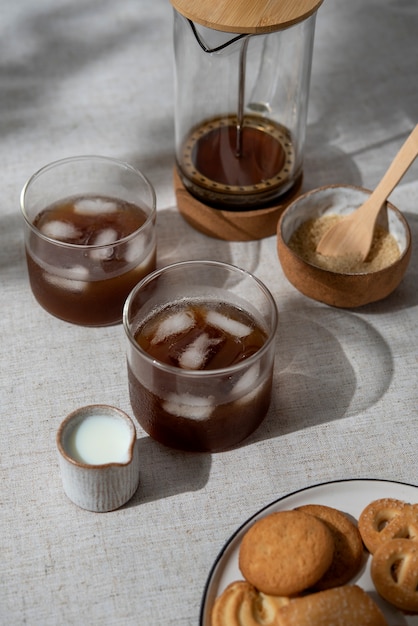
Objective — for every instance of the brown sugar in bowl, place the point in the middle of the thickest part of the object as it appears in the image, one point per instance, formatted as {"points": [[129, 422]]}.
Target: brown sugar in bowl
{"points": [[340, 287]]}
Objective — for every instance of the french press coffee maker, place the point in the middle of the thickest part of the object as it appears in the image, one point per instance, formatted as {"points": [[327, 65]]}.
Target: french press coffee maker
{"points": [[242, 73]]}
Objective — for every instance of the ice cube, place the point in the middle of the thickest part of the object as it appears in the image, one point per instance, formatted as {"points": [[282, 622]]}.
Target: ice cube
{"points": [[67, 284], [62, 231], [188, 406], [173, 325], [197, 353], [228, 325], [134, 250], [253, 395], [247, 381], [104, 237], [77, 272], [95, 206]]}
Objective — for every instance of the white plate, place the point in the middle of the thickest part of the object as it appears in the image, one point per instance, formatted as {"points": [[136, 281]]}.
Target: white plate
{"points": [[350, 496]]}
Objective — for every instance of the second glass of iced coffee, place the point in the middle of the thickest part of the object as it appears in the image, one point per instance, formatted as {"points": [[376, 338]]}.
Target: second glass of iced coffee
{"points": [[201, 345], [89, 237]]}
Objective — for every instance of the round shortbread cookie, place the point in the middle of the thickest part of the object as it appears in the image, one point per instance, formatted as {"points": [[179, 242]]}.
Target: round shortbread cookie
{"points": [[240, 604], [386, 519], [348, 546], [286, 552], [394, 571]]}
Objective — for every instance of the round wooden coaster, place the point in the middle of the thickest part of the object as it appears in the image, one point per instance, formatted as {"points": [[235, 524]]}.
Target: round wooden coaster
{"points": [[231, 225]]}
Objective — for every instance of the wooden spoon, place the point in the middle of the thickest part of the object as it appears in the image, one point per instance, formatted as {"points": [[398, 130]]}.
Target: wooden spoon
{"points": [[352, 235]]}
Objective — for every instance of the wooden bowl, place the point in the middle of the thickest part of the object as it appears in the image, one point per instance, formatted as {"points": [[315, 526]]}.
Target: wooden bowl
{"points": [[345, 290]]}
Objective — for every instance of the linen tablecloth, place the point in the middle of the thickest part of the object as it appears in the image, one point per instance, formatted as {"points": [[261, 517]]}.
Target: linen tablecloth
{"points": [[97, 78]]}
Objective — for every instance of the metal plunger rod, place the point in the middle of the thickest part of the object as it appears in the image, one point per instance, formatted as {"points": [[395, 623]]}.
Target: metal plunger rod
{"points": [[241, 95]]}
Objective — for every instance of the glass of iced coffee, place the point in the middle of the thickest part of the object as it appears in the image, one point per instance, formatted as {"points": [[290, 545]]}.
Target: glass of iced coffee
{"points": [[201, 345], [89, 237]]}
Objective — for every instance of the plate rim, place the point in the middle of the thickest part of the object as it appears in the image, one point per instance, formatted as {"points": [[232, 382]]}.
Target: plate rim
{"points": [[272, 503]]}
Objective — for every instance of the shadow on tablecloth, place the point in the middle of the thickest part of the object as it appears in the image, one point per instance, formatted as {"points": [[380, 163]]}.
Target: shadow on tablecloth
{"points": [[166, 472], [330, 364]]}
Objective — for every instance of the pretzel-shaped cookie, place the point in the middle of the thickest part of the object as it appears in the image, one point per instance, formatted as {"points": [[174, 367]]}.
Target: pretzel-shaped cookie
{"points": [[394, 571], [241, 604], [386, 519]]}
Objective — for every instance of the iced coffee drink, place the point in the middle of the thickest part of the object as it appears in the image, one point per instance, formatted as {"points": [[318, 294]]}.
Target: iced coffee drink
{"points": [[86, 251], [200, 355]]}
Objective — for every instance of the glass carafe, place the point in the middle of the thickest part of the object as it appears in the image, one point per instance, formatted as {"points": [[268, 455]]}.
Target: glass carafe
{"points": [[241, 107]]}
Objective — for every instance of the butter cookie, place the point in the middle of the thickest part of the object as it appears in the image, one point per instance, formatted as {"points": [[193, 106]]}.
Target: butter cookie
{"points": [[387, 519], [240, 604], [286, 552], [342, 606], [394, 571], [348, 546]]}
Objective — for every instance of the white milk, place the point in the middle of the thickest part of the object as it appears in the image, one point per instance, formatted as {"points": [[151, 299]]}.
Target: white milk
{"points": [[100, 439]]}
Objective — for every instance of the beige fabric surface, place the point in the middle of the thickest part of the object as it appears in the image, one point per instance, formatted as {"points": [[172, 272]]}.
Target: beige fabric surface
{"points": [[97, 77]]}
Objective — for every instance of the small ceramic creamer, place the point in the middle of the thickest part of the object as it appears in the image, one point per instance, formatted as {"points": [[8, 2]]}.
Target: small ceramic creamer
{"points": [[98, 457]]}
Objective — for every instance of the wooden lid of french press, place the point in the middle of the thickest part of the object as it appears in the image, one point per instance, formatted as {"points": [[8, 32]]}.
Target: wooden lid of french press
{"points": [[246, 16]]}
